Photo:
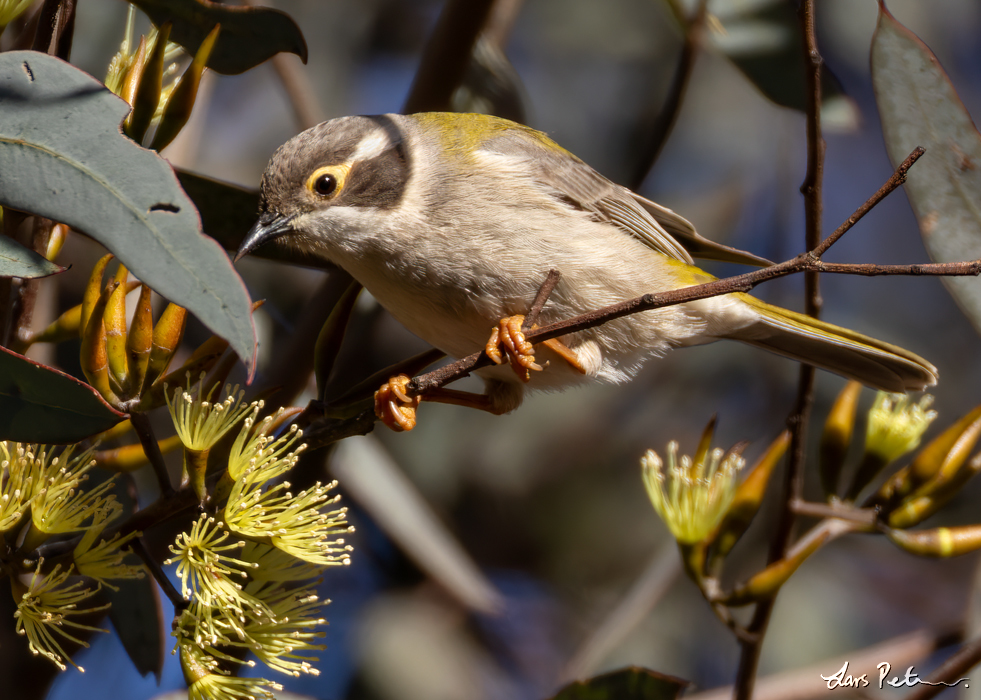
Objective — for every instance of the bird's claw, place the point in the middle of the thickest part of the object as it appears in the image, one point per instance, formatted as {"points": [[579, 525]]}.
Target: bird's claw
{"points": [[509, 338], [393, 405]]}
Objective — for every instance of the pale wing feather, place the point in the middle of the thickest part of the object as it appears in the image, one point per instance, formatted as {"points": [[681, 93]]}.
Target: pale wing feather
{"points": [[575, 184]]}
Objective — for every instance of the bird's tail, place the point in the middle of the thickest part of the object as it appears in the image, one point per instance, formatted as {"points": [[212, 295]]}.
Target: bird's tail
{"points": [[850, 354]]}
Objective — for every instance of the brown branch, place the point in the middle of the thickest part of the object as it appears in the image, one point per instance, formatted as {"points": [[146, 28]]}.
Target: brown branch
{"points": [[841, 511], [897, 179], [544, 292], [500, 22], [811, 188], [23, 318], [143, 429], [447, 55], [739, 283], [949, 672], [143, 552], [298, 89], [668, 114]]}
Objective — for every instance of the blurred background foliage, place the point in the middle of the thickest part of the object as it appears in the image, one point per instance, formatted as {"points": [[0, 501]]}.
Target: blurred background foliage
{"points": [[548, 501]]}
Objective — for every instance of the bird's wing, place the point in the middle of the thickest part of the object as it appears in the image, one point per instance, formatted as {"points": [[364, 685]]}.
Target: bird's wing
{"points": [[697, 245], [575, 184]]}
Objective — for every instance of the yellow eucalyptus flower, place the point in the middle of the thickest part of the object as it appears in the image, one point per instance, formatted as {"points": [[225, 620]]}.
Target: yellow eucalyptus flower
{"points": [[11, 10], [205, 681], [214, 578], [104, 560], [16, 491], [44, 609], [201, 423], [895, 425], [59, 504], [691, 496]]}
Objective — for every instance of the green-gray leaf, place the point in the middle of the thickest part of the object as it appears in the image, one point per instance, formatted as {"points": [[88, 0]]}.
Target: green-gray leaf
{"points": [[137, 615], [228, 212], [18, 261], [919, 107], [249, 35], [41, 404], [626, 684], [763, 40], [63, 156]]}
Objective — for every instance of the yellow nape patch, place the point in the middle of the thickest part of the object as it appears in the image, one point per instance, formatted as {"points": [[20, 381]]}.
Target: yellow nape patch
{"points": [[466, 133]]}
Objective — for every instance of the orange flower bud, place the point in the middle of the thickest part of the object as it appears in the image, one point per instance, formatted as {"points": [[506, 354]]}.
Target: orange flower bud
{"points": [[181, 101]]}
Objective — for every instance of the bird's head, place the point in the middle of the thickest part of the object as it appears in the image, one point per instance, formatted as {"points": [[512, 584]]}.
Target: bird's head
{"points": [[328, 179]]}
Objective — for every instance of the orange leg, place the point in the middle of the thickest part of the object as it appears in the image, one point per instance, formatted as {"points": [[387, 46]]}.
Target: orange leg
{"points": [[396, 409], [565, 352]]}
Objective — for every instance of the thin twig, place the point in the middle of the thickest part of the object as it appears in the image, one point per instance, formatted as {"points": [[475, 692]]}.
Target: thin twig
{"points": [[842, 511], [897, 179], [333, 427], [806, 683], [299, 91], [668, 114], [635, 604], [966, 658], [23, 318], [143, 552], [739, 283], [811, 188], [141, 424], [500, 22], [544, 292]]}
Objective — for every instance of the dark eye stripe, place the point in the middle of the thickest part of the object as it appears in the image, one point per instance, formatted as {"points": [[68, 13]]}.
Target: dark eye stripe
{"points": [[378, 182]]}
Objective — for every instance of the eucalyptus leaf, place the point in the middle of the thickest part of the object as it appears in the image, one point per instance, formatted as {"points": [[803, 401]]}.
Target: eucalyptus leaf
{"points": [[19, 261], [626, 684], [249, 35], [137, 615], [62, 156], [762, 38], [228, 212], [41, 404], [918, 106]]}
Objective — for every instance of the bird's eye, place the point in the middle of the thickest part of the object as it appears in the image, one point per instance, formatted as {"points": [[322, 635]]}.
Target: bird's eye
{"points": [[328, 181], [325, 185]]}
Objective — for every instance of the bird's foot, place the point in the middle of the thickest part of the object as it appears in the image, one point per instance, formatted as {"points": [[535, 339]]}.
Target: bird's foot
{"points": [[508, 340], [393, 405]]}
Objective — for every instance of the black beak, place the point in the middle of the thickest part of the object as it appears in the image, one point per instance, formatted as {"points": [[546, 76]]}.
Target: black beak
{"points": [[269, 227]]}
